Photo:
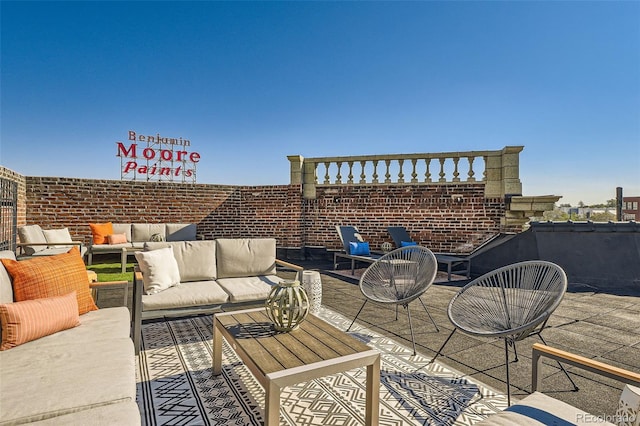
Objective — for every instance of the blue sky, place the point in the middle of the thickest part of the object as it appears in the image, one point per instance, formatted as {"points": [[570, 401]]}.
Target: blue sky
{"points": [[249, 83]]}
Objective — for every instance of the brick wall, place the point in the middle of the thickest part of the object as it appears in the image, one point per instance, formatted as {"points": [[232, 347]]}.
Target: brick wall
{"points": [[428, 211], [219, 210]]}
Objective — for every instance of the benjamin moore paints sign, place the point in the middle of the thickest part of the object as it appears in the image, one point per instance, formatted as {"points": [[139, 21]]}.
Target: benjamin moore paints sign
{"points": [[158, 158]]}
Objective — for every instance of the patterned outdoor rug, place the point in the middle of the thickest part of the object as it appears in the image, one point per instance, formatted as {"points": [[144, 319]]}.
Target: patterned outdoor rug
{"points": [[176, 387]]}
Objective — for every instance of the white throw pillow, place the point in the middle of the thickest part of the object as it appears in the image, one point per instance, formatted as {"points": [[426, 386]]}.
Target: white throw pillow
{"points": [[159, 269], [57, 236]]}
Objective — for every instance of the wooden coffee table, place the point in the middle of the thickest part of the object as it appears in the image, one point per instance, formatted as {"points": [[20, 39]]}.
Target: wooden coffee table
{"points": [[276, 360]]}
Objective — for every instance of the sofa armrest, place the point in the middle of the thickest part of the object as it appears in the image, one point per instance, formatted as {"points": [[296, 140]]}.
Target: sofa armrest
{"points": [[588, 364], [20, 246], [107, 284], [122, 285], [136, 309], [288, 265], [66, 243]]}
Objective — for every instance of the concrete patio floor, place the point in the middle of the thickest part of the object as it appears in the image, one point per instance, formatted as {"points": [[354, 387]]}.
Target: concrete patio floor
{"points": [[589, 322]]}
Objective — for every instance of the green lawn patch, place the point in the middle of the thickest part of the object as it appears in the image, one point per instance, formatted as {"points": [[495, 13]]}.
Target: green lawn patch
{"points": [[112, 271]]}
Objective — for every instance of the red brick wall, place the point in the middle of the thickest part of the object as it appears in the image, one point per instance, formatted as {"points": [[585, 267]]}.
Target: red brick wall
{"points": [[626, 201], [428, 211], [219, 210]]}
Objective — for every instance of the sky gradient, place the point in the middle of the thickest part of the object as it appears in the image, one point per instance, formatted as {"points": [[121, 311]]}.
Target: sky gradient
{"points": [[249, 83]]}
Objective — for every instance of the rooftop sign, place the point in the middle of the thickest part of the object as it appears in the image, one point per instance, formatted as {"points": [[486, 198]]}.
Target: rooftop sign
{"points": [[158, 159]]}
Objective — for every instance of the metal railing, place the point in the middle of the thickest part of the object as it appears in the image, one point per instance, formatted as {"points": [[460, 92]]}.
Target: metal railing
{"points": [[8, 214]]}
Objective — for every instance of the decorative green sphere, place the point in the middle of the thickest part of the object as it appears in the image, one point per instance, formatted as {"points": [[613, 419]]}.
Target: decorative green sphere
{"points": [[287, 305]]}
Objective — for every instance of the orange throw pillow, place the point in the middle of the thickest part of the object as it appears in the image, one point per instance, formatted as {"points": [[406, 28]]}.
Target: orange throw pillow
{"points": [[101, 232], [25, 321], [51, 276]]}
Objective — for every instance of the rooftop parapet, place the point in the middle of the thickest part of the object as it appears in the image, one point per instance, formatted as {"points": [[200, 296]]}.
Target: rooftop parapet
{"points": [[498, 170], [585, 226]]}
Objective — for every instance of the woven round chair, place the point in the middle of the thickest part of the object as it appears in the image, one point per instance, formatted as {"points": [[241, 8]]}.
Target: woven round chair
{"points": [[512, 303], [398, 278]]}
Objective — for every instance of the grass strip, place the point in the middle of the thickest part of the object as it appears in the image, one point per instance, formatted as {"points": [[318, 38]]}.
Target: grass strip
{"points": [[112, 271]]}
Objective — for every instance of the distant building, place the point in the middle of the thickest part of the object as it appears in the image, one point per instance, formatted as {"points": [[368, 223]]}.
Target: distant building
{"points": [[587, 212], [630, 209]]}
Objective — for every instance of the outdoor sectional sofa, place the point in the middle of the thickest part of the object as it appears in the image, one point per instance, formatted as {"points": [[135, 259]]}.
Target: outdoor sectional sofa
{"points": [[540, 409], [139, 233], [82, 375], [213, 275], [35, 242]]}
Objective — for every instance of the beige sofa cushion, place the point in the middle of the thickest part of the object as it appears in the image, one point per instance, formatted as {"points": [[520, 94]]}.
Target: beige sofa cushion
{"points": [[57, 236], [142, 232], [123, 228], [186, 295], [196, 259], [103, 324], [39, 382], [181, 232], [538, 409], [6, 289], [246, 289], [245, 257], [32, 234]]}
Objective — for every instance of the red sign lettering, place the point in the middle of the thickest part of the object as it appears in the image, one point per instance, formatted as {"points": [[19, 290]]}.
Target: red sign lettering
{"points": [[159, 156]]}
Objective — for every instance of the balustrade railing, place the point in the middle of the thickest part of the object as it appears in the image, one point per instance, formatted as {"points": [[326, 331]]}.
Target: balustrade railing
{"points": [[494, 168]]}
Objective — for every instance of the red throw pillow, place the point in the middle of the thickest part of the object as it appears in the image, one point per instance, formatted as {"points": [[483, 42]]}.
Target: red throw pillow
{"points": [[48, 276], [29, 320], [101, 232]]}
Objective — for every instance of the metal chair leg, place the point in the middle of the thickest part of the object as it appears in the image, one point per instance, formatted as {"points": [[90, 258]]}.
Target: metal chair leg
{"points": [[413, 340], [354, 320], [515, 350], [427, 311], [506, 358], [439, 351], [566, 373]]}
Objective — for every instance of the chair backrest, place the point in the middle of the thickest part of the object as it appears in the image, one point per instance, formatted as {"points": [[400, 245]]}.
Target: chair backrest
{"points": [[399, 234], [347, 235], [32, 234], [510, 301], [400, 276]]}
